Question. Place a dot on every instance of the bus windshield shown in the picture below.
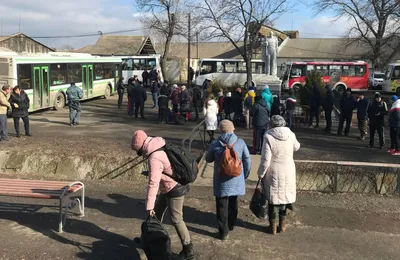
(298, 70)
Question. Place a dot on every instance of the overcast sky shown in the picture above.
(74, 17)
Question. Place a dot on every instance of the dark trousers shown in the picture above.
(394, 138)
(227, 211)
(258, 138)
(347, 118)
(362, 126)
(196, 111)
(314, 112)
(175, 109)
(163, 115)
(139, 106)
(372, 129)
(120, 97)
(25, 119)
(236, 118)
(131, 106)
(3, 127)
(275, 210)
(328, 118)
(289, 117)
(211, 134)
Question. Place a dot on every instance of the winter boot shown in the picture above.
(272, 226)
(282, 223)
(187, 253)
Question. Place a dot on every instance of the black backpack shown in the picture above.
(155, 240)
(184, 166)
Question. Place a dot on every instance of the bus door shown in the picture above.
(87, 81)
(41, 87)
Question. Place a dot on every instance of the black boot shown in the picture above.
(187, 253)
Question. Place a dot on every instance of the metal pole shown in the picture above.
(188, 66)
(197, 44)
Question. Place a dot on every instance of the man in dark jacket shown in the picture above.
(347, 105)
(153, 74)
(139, 98)
(394, 124)
(328, 107)
(145, 78)
(260, 116)
(290, 106)
(20, 103)
(184, 103)
(376, 114)
(120, 90)
(197, 100)
(276, 106)
(206, 87)
(315, 103)
(362, 115)
(163, 109)
(74, 94)
(237, 104)
(228, 106)
(131, 100)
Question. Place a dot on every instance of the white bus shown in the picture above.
(392, 79)
(229, 71)
(135, 65)
(46, 77)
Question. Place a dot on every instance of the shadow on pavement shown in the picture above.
(108, 245)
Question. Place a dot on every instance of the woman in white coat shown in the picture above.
(277, 171)
(210, 112)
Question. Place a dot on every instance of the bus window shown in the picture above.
(349, 70)
(360, 70)
(322, 69)
(334, 69)
(298, 71)
(127, 64)
(231, 66)
(74, 71)
(208, 67)
(242, 67)
(98, 71)
(150, 63)
(396, 73)
(58, 74)
(25, 76)
(108, 71)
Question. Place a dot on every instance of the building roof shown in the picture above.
(6, 37)
(85, 49)
(118, 45)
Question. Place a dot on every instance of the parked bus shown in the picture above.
(135, 65)
(229, 71)
(46, 77)
(392, 79)
(340, 75)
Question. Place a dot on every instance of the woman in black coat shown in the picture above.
(19, 101)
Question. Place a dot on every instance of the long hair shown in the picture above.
(210, 97)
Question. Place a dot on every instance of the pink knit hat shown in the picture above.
(138, 139)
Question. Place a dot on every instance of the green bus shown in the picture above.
(46, 77)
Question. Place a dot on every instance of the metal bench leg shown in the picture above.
(61, 220)
(82, 210)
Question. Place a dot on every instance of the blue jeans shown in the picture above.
(3, 127)
(155, 99)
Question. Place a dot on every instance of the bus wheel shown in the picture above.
(107, 93)
(341, 89)
(59, 102)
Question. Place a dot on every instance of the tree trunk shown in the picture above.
(163, 60)
(248, 72)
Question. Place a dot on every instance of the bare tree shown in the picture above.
(376, 26)
(164, 19)
(240, 21)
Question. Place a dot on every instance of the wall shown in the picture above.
(21, 43)
(177, 69)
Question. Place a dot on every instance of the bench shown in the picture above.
(58, 190)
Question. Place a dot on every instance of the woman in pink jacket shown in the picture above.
(172, 194)
(278, 171)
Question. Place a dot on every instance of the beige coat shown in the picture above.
(4, 104)
(277, 166)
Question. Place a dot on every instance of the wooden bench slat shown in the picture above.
(30, 195)
(19, 180)
(31, 185)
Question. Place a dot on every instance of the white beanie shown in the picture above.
(229, 94)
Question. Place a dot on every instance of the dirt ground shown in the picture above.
(105, 129)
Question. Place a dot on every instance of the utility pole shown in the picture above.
(197, 44)
(188, 67)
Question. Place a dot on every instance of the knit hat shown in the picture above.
(377, 95)
(239, 90)
(394, 98)
(252, 88)
(183, 87)
(226, 126)
(229, 94)
(174, 86)
(138, 139)
(277, 121)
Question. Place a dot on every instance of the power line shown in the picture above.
(83, 35)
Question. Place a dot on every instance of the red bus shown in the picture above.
(340, 75)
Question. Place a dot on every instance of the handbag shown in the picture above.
(259, 204)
